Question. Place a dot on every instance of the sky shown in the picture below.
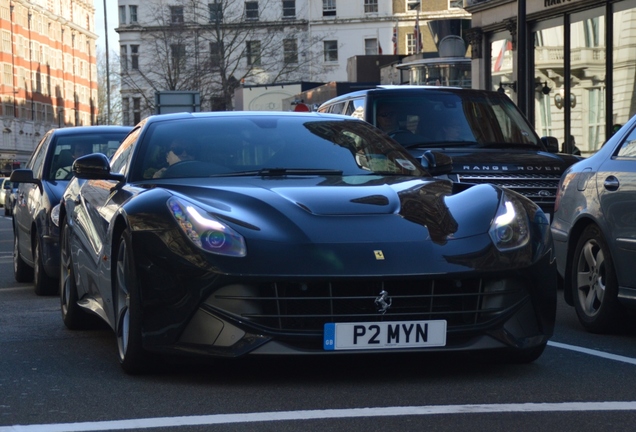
(111, 10)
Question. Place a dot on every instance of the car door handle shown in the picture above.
(611, 183)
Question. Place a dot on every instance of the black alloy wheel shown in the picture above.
(43, 283)
(21, 271)
(132, 357)
(74, 317)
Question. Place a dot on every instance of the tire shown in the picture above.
(74, 317)
(594, 284)
(44, 284)
(21, 271)
(132, 357)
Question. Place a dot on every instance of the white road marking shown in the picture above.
(592, 352)
(321, 414)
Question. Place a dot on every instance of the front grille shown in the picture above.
(540, 188)
(305, 307)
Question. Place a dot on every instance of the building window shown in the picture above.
(125, 110)
(216, 12)
(132, 11)
(370, 6)
(134, 57)
(176, 14)
(254, 53)
(289, 9)
(122, 15)
(123, 54)
(331, 51)
(251, 11)
(136, 110)
(371, 47)
(412, 5)
(410, 44)
(328, 7)
(178, 52)
(455, 4)
(216, 52)
(290, 48)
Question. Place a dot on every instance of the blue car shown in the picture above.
(36, 251)
(231, 234)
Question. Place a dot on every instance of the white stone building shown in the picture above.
(214, 46)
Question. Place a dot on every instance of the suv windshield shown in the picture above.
(452, 119)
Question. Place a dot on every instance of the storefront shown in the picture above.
(571, 68)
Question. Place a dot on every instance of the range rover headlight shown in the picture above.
(510, 228)
(205, 231)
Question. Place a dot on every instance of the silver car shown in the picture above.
(594, 231)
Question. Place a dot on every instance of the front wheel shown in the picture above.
(21, 271)
(594, 283)
(43, 283)
(74, 317)
(132, 357)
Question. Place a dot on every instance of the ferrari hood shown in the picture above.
(375, 202)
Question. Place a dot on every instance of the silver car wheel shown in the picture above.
(594, 283)
(123, 301)
(591, 277)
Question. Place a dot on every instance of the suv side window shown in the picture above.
(337, 108)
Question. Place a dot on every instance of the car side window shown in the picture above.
(628, 147)
(121, 158)
(36, 163)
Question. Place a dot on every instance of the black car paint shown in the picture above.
(302, 221)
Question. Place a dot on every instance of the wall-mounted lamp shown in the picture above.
(559, 98)
(510, 85)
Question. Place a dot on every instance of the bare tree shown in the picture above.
(214, 46)
(102, 93)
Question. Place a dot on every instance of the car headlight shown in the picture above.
(510, 227)
(205, 231)
(55, 215)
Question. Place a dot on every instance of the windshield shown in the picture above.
(271, 145)
(439, 118)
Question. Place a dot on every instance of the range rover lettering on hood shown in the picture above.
(515, 168)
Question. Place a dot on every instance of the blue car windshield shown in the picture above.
(268, 145)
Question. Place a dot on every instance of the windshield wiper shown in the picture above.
(443, 144)
(280, 172)
(508, 145)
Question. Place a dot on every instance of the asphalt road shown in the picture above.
(53, 379)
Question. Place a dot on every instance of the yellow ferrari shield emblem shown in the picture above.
(378, 255)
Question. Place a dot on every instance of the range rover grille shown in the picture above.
(540, 188)
(304, 307)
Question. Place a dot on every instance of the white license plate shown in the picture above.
(384, 335)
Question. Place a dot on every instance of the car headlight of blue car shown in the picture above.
(510, 226)
(205, 231)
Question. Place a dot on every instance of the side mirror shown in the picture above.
(551, 144)
(437, 163)
(24, 175)
(94, 167)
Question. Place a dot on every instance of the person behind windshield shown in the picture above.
(178, 151)
(452, 130)
(387, 118)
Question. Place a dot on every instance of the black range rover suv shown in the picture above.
(485, 134)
